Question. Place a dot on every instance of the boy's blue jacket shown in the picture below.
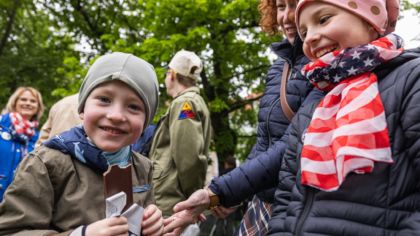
(11, 152)
(385, 202)
(261, 174)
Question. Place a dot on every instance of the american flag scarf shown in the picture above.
(23, 126)
(348, 131)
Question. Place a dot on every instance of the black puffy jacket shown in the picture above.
(385, 202)
(256, 175)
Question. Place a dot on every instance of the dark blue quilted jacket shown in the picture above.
(385, 202)
(260, 174)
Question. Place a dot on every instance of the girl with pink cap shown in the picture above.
(352, 164)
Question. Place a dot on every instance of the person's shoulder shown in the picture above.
(189, 96)
(51, 156)
(282, 48)
(4, 119)
(403, 65)
(189, 93)
(69, 100)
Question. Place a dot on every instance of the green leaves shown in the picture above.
(54, 41)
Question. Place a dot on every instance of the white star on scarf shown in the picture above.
(341, 64)
(368, 62)
(355, 55)
(327, 77)
(352, 71)
(337, 78)
(370, 46)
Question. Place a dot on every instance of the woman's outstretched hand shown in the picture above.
(187, 212)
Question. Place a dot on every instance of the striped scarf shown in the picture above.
(348, 131)
(23, 126)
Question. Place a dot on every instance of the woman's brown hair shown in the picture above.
(268, 12)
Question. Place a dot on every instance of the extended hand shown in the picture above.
(175, 224)
(197, 203)
(187, 212)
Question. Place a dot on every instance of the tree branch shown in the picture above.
(9, 25)
(260, 67)
(241, 103)
(96, 32)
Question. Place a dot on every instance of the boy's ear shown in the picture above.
(173, 75)
(81, 115)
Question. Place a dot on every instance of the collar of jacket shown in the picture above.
(74, 142)
(287, 51)
(193, 89)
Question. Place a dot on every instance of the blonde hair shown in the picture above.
(11, 104)
(268, 12)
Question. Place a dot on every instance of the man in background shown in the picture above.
(180, 146)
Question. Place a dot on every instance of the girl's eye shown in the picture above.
(324, 19)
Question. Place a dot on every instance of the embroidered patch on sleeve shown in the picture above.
(186, 112)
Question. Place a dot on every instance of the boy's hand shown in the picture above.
(152, 224)
(108, 227)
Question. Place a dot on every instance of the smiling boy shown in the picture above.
(59, 188)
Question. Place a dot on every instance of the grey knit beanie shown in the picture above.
(135, 72)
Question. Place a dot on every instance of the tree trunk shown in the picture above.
(9, 25)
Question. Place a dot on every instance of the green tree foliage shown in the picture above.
(224, 33)
(31, 52)
(49, 45)
(227, 37)
(409, 4)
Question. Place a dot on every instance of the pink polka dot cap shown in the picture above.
(381, 14)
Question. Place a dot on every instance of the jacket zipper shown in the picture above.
(310, 194)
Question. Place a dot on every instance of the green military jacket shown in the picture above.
(179, 150)
(53, 193)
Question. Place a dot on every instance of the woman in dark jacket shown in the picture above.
(373, 109)
(260, 171)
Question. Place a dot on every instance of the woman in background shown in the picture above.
(18, 131)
